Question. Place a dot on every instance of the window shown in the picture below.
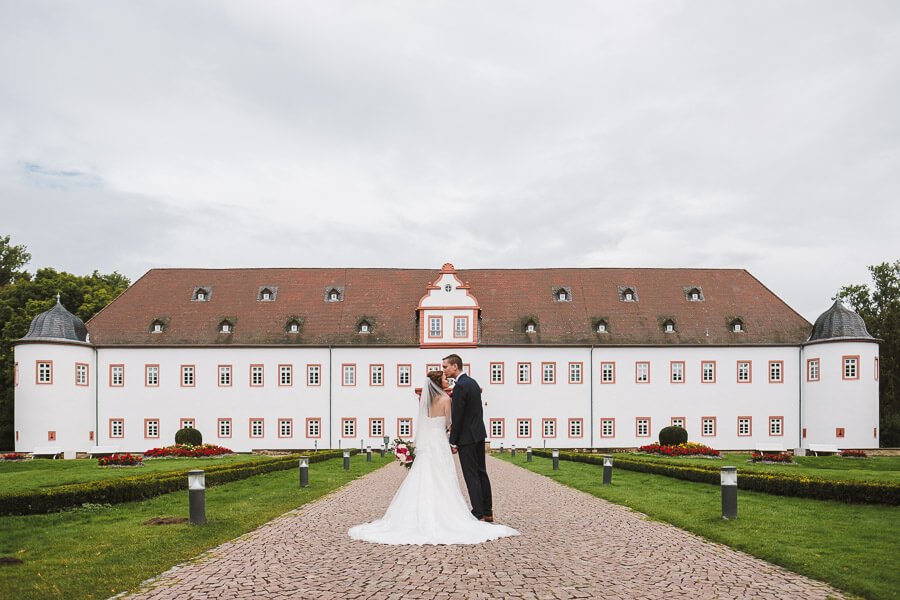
(745, 426)
(549, 427)
(839, 432)
(267, 294)
(607, 372)
(16, 375)
(576, 428)
(708, 426)
(776, 367)
(157, 326)
(563, 294)
(285, 428)
(435, 327)
(226, 327)
(151, 428)
(293, 326)
(524, 370)
(876, 368)
(737, 326)
(601, 327)
(186, 424)
(81, 374)
(151, 375)
(256, 376)
(364, 327)
(349, 375)
(677, 371)
(187, 375)
(117, 375)
(51, 436)
(678, 422)
(693, 294)
(575, 372)
(776, 425)
(285, 375)
(669, 326)
(523, 427)
(116, 428)
(642, 372)
(334, 295)
(496, 428)
(224, 428)
(496, 372)
(430, 368)
(313, 374)
(708, 370)
(376, 428)
(627, 294)
(851, 367)
(744, 371)
(404, 428)
(348, 428)
(812, 369)
(403, 375)
(461, 327)
(548, 372)
(642, 426)
(530, 327)
(224, 375)
(607, 428)
(376, 374)
(44, 372)
(257, 428)
(202, 294)
(313, 428)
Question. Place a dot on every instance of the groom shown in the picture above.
(467, 435)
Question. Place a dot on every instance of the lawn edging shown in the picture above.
(781, 484)
(139, 487)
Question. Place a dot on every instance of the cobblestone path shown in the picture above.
(572, 546)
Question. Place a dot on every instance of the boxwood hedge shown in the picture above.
(782, 484)
(139, 487)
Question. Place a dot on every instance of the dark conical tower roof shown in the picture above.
(57, 324)
(839, 322)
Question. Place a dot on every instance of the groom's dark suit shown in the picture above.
(467, 433)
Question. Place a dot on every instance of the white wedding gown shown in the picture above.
(429, 507)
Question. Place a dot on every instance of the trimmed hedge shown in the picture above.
(781, 484)
(128, 489)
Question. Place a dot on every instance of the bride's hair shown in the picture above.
(437, 378)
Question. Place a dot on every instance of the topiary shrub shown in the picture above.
(191, 436)
(672, 436)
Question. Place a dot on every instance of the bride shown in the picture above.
(429, 508)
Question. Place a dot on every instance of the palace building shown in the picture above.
(264, 359)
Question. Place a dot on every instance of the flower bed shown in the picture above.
(187, 451)
(854, 454)
(14, 456)
(688, 449)
(771, 457)
(120, 460)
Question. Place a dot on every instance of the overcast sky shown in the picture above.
(756, 135)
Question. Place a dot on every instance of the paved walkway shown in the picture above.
(572, 546)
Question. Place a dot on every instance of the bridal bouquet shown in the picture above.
(405, 452)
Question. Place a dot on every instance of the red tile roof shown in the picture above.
(387, 299)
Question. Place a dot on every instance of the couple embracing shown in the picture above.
(429, 507)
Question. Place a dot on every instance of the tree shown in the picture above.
(23, 297)
(880, 310)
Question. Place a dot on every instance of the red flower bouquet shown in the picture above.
(405, 452)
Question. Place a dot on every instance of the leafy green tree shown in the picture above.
(23, 297)
(880, 309)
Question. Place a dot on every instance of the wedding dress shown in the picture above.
(429, 507)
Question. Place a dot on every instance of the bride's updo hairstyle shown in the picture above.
(437, 378)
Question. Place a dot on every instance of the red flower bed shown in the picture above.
(775, 457)
(688, 449)
(854, 453)
(14, 456)
(188, 451)
(119, 460)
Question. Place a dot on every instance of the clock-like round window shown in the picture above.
(448, 288)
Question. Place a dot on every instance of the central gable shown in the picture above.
(448, 312)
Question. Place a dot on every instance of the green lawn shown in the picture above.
(43, 472)
(874, 468)
(98, 552)
(851, 546)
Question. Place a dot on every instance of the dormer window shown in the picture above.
(226, 327)
(601, 327)
(669, 326)
(562, 294)
(627, 294)
(693, 294)
(364, 327)
(157, 326)
(334, 294)
(267, 294)
(530, 327)
(293, 326)
(202, 294)
(737, 326)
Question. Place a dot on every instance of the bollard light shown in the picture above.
(197, 496)
(304, 471)
(501, 447)
(368, 453)
(513, 450)
(607, 469)
(315, 445)
(346, 460)
(382, 450)
(528, 455)
(556, 459)
(729, 492)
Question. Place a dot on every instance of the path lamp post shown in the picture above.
(607, 469)
(528, 455)
(368, 453)
(197, 496)
(556, 459)
(304, 471)
(382, 450)
(513, 450)
(346, 460)
(729, 492)
(501, 447)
